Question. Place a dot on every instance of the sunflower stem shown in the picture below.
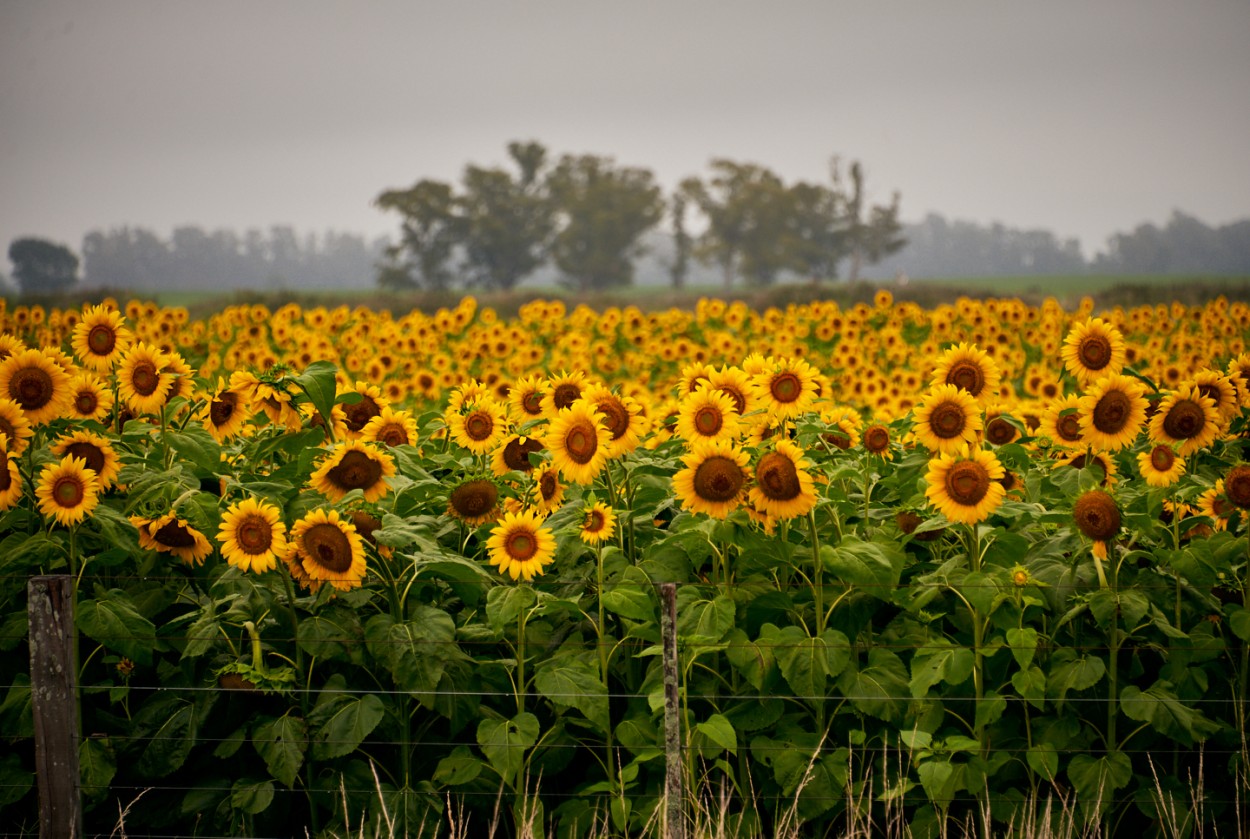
(520, 661)
(603, 661)
(978, 638)
(293, 616)
(818, 587)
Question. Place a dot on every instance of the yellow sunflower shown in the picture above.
(621, 415)
(965, 485)
(783, 488)
(95, 451)
(842, 427)
(1186, 419)
(67, 491)
(1061, 423)
(708, 415)
(36, 383)
(968, 369)
(598, 524)
(391, 428)
(1112, 412)
(1213, 503)
(354, 465)
(142, 380)
(1237, 486)
(1161, 466)
(946, 419)
(173, 535)
(525, 398)
(252, 535)
(1092, 350)
(10, 478)
(563, 391)
(514, 454)
(330, 548)
(520, 546)
(225, 413)
(474, 501)
(714, 480)
(14, 426)
(369, 405)
(737, 385)
(88, 399)
(876, 440)
(1098, 517)
(294, 561)
(547, 490)
(578, 442)
(787, 387)
(480, 428)
(1220, 390)
(998, 431)
(100, 338)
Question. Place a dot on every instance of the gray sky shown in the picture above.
(1081, 117)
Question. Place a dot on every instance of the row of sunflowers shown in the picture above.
(987, 554)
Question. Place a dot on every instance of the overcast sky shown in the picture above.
(1081, 117)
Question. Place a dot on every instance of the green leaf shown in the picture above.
(505, 603)
(15, 781)
(630, 596)
(1023, 643)
(504, 742)
(1239, 622)
(196, 446)
(944, 663)
(96, 765)
(875, 566)
(752, 661)
(701, 621)
(281, 743)
(1162, 708)
(114, 622)
(1031, 685)
(344, 724)
(1097, 779)
(574, 683)
(170, 740)
(939, 779)
(318, 381)
(251, 796)
(720, 731)
(990, 709)
(459, 767)
(879, 689)
(1081, 674)
(1043, 760)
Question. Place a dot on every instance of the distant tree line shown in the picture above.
(589, 217)
(1183, 246)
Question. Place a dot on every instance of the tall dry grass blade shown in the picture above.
(119, 830)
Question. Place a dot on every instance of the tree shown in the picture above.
(601, 211)
(679, 269)
(42, 267)
(868, 240)
(431, 230)
(817, 231)
(747, 209)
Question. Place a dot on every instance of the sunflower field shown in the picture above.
(978, 568)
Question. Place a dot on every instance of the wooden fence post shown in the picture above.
(54, 700)
(674, 766)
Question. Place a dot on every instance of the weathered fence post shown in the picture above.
(53, 691)
(674, 815)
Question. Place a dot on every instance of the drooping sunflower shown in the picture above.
(946, 419)
(225, 413)
(14, 426)
(173, 535)
(1237, 486)
(67, 491)
(787, 387)
(1098, 517)
(520, 546)
(564, 389)
(480, 429)
(714, 480)
(88, 399)
(252, 535)
(330, 548)
(1186, 419)
(474, 501)
(708, 415)
(142, 380)
(354, 465)
(36, 383)
(1112, 412)
(547, 490)
(10, 478)
(1092, 350)
(525, 398)
(782, 488)
(391, 428)
(294, 561)
(598, 524)
(1161, 466)
(100, 338)
(965, 485)
(95, 451)
(578, 442)
(969, 369)
(621, 415)
(514, 454)
(1061, 422)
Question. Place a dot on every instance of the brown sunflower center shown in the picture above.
(1162, 458)
(89, 452)
(778, 477)
(1097, 515)
(1068, 427)
(708, 420)
(355, 470)
(516, 454)
(474, 499)
(366, 524)
(1211, 392)
(1184, 420)
(393, 434)
(786, 387)
(1112, 411)
(998, 431)
(6, 479)
(1237, 486)
(254, 535)
(31, 387)
(68, 491)
(548, 485)
(221, 409)
(532, 403)
(1094, 352)
(7, 429)
(565, 394)
(86, 402)
(947, 420)
(876, 439)
(966, 376)
(615, 417)
(581, 442)
(740, 400)
(359, 414)
(174, 534)
(145, 378)
(101, 339)
(967, 482)
(478, 426)
(521, 545)
(718, 478)
(837, 439)
(595, 521)
(329, 546)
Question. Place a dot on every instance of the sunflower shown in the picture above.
(474, 501)
(100, 338)
(1061, 423)
(1161, 466)
(787, 387)
(354, 465)
(95, 451)
(252, 535)
(598, 524)
(514, 454)
(38, 385)
(714, 480)
(1092, 350)
(548, 491)
(226, 412)
(172, 535)
(142, 380)
(298, 568)
(564, 390)
(391, 428)
(877, 439)
(578, 442)
(520, 546)
(525, 398)
(369, 405)
(67, 491)
(968, 369)
(622, 416)
(10, 478)
(998, 430)
(330, 549)
(1215, 503)
(88, 399)
(14, 426)
(9, 343)
(708, 415)
(1098, 517)
(1186, 419)
(1237, 486)
(965, 485)
(480, 428)
(946, 419)
(737, 385)
(1112, 412)
(1222, 391)
(783, 489)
